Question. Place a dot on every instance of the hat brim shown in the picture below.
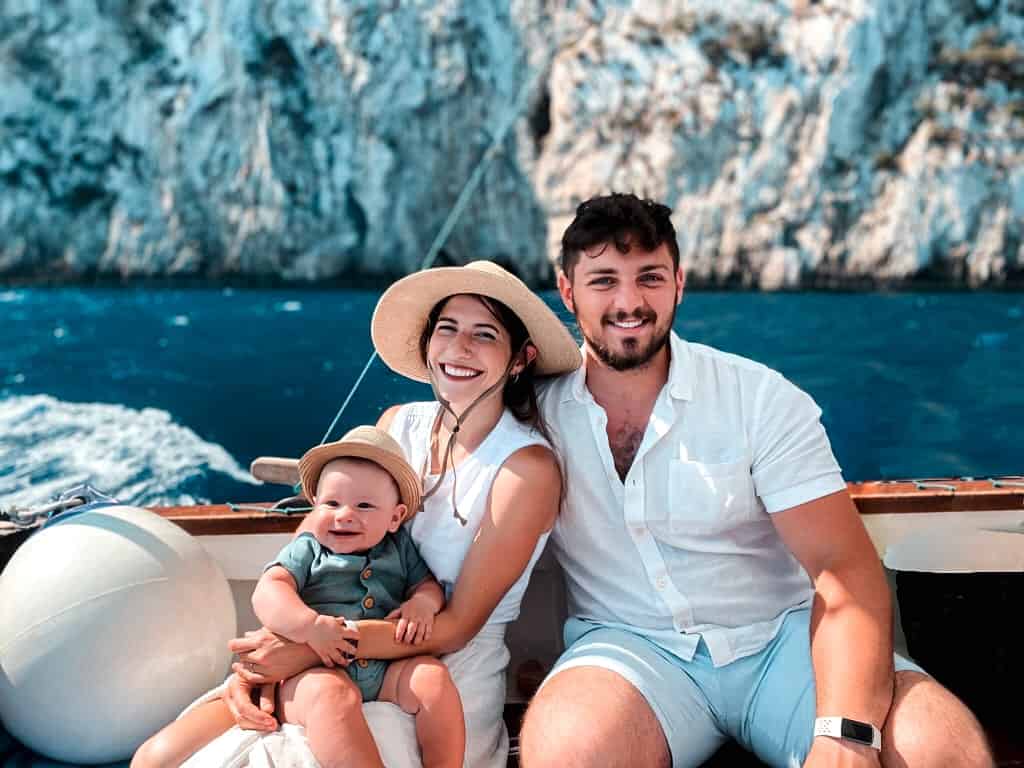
(402, 311)
(409, 484)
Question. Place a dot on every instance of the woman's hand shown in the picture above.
(239, 700)
(264, 657)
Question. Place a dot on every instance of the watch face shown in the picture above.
(857, 731)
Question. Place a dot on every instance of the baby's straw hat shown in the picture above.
(369, 443)
(403, 310)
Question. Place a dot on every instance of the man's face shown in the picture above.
(624, 303)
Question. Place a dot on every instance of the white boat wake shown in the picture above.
(137, 456)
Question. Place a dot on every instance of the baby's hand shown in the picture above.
(330, 639)
(415, 620)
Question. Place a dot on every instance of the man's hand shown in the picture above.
(415, 619)
(264, 657)
(841, 753)
(238, 697)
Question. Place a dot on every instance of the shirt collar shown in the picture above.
(680, 369)
(680, 373)
(578, 381)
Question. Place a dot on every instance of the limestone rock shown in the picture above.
(803, 143)
(799, 143)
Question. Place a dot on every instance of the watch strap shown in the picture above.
(851, 730)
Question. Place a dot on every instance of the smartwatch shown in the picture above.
(851, 730)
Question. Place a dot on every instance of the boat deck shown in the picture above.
(893, 512)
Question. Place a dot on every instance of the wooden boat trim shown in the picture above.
(872, 498)
(222, 520)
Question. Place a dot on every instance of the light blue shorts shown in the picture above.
(764, 701)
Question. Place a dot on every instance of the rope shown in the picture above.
(268, 510)
(27, 518)
(351, 392)
(453, 216)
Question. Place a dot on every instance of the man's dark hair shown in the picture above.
(623, 220)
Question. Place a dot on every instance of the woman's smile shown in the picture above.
(459, 371)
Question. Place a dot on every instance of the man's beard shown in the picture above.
(634, 355)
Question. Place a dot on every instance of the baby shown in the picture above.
(356, 561)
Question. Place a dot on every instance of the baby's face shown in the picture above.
(357, 503)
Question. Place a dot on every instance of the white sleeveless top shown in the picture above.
(442, 540)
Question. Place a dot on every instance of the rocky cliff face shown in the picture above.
(799, 142)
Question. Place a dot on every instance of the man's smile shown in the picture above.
(627, 325)
(632, 322)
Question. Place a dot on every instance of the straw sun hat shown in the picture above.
(403, 309)
(369, 443)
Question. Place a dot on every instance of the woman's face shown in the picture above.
(468, 350)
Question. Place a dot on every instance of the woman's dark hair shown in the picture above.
(623, 221)
(519, 395)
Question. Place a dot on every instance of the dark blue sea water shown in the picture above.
(167, 395)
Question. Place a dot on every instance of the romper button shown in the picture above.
(366, 574)
(362, 663)
(368, 602)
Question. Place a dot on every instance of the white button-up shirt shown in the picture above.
(685, 547)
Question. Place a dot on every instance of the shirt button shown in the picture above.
(366, 574)
(368, 602)
(639, 530)
(362, 663)
(661, 582)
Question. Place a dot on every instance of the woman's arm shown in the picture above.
(523, 505)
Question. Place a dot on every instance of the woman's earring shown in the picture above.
(515, 377)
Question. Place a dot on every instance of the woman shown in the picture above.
(492, 487)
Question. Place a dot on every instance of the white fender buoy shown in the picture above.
(111, 622)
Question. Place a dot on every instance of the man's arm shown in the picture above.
(851, 618)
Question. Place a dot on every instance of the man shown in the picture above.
(701, 494)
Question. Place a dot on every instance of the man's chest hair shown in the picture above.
(624, 438)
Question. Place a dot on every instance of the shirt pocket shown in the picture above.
(704, 498)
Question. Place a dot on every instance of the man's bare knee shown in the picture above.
(587, 717)
(928, 726)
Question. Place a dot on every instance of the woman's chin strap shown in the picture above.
(459, 420)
